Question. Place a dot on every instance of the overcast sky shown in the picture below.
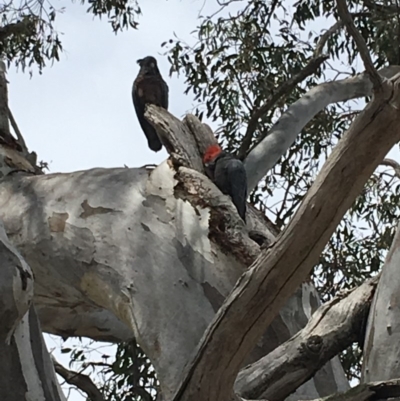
(79, 113)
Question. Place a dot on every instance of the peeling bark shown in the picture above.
(143, 265)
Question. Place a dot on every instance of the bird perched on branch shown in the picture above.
(149, 88)
(229, 175)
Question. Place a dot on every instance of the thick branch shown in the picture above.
(284, 89)
(275, 275)
(331, 329)
(83, 382)
(284, 133)
(345, 16)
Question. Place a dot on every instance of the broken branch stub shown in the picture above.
(176, 137)
(203, 134)
(278, 271)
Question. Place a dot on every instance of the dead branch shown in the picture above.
(83, 382)
(18, 133)
(331, 329)
(278, 271)
(345, 16)
(176, 138)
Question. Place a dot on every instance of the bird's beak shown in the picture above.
(139, 61)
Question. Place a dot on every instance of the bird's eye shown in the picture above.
(152, 65)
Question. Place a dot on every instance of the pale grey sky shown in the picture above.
(79, 113)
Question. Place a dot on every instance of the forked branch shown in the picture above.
(284, 89)
(345, 16)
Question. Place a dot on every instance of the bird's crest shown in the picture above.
(211, 153)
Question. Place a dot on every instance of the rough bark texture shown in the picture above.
(381, 351)
(331, 329)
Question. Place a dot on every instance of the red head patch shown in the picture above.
(211, 153)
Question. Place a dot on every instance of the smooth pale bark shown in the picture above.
(116, 245)
(381, 351)
(284, 133)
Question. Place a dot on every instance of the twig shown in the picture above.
(333, 29)
(17, 132)
(345, 16)
(285, 88)
(392, 163)
(83, 382)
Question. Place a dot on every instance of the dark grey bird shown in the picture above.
(149, 88)
(229, 175)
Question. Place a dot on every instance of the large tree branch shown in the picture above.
(345, 16)
(381, 353)
(279, 270)
(284, 133)
(331, 329)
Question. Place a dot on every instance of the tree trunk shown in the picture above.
(121, 254)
